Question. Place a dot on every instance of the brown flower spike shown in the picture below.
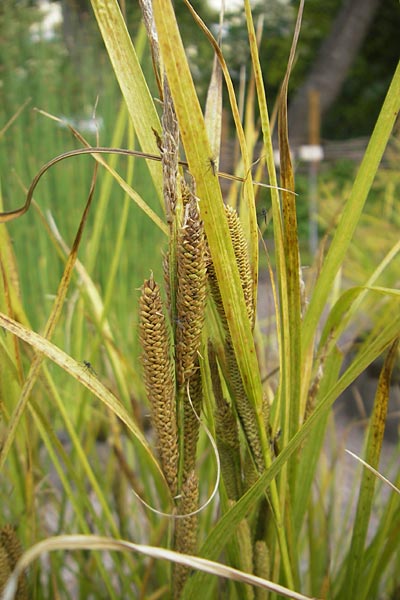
(244, 409)
(242, 258)
(10, 552)
(191, 292)
(186, 530)
(159, 379)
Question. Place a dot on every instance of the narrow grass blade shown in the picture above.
(14, 117)
(96, 153)
(248, 210)
(221, 533)
(344, 305)
(312, 451)
(76, 542)
(275, 200)
(131, 80)
(82, 374)
(352, 210)
(356, 556)
(290, 305)
(374, 471)
(49, 330)
(384, 546)
(213, 112)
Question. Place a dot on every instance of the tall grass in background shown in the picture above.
(74, 458)
(39, 74)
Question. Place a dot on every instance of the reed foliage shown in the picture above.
(144, 420)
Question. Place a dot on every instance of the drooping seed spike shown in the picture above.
(227, 434)
(191, 425)
(10, 553)
(186, 530)
(158, 371)
(262, 567)
(244, 408)
(242, 258)
(191, 292)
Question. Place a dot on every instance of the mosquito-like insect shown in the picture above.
(213, 165)
(88, 367)
(264, 214)
(275, 442)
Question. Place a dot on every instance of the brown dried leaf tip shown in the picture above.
(158, 378)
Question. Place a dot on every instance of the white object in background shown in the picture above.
(311, 153)
(46, 29)
(277, 157)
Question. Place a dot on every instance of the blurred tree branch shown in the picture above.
(332, 64)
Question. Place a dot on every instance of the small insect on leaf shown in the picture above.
(88, 367)
(264, 214)
(213, 165)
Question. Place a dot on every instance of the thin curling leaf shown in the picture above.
(18, 212)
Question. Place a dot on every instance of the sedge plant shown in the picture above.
(215, 417)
